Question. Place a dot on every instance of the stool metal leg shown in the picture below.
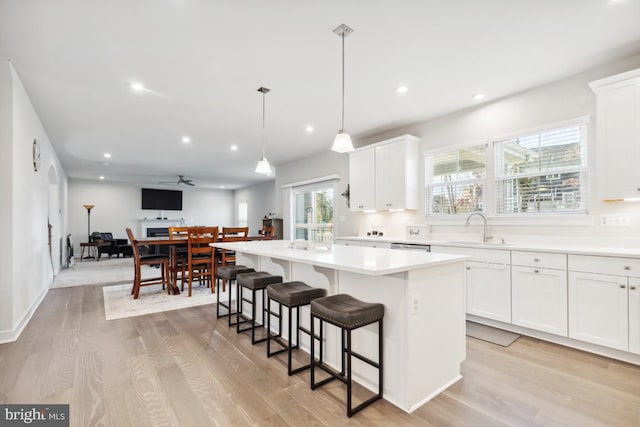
(349, 380)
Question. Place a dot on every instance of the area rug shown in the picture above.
(492, 335)
(119, 303)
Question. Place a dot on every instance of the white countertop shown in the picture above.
(356, 259)
(535, 247)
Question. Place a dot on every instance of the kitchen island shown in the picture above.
(423, 297)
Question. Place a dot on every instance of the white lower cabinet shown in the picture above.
(489, 290)
(634, 315)
(598, 309)
(539, 299)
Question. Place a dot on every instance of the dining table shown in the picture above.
(174, 244)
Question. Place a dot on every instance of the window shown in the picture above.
(456, 180)
(243, 209)
(312, 207)
(542, 172)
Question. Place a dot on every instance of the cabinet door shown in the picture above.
(539, 299)
(619, 140)
(489, 290)
(598, 309)
(347, 242)
(362, 180)
(634, 315)
(390, 185)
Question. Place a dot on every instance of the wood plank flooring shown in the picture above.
(185, 368)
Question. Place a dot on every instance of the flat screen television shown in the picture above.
(165, 200)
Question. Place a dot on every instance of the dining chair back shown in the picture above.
(267, 232)
(232, 234)
(178, 266)
(201, 260)
(152, 259)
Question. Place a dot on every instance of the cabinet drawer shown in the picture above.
(539, 259)
(496, 256)
(605, 265)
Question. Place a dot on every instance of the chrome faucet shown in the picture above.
(485, 237)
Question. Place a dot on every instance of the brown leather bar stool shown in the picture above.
(228, 273)
(347, 313)
(292, 295)
(255, 281)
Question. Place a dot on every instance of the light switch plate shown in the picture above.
(615, 220)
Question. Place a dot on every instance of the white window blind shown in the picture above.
(543, 172)
(456, 180)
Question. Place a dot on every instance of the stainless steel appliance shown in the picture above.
(411, 247)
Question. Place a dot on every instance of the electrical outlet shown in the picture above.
(415, 303)
(615, 220)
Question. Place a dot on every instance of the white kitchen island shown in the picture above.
(423, 297)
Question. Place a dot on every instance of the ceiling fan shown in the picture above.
(181, 180)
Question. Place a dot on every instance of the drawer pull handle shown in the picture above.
(536, 260)
(633, 288)
(623, 286)
(468, 268)
(536, 271)
(626, 267)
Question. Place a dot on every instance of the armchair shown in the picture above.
(111, 246)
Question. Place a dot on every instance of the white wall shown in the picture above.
(260, 200)
(27, 265)
(117, 206)
(555, 102)
(319, 165)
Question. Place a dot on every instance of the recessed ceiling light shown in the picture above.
(107, 155)
(402, 89)
(308, 129)
(222, 186)
(478, 96)
(186, 140)
(234, 147)
(138, 87)
(101, 177)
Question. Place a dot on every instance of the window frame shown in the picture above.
(429, 185)
(313, 187)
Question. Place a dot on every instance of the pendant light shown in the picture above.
(263, 165)
(342, 143)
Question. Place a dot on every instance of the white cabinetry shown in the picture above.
(397, 175)
(362, 179)
(488, 281)
(634, 315)
(618, 135)
(601, 301)
(346, 242)
(539, 291)
(369, 244)
(384, 175)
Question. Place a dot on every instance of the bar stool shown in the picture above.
(255, 281)
(291, 295)
(228, 273)
(347, 313)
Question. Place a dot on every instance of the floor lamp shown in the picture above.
(88, 208)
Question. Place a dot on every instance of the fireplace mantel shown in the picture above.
(159, 223)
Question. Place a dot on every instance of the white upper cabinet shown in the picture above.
(618, 135)
(384, 176)
(362, 180)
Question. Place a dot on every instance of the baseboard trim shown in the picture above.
(11, 335)
(624, 356)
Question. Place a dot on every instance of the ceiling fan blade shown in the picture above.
(188, 182)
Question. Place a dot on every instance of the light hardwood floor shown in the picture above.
(185, 368)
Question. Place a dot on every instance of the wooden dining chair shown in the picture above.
(152, 259)
(225, 256)
(201, 260)
(267, 233)
(178, 266)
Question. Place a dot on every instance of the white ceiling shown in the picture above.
(205, 60)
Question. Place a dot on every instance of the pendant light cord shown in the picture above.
(263, 120)
(342, 82)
